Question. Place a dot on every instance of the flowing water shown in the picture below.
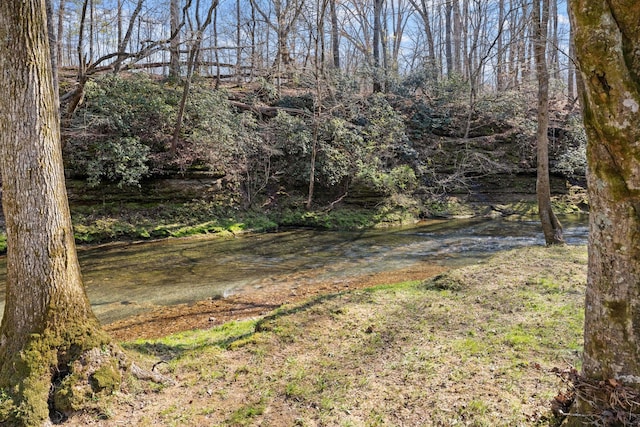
(123, 280)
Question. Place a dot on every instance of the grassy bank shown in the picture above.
(99, 223)
(472, 347)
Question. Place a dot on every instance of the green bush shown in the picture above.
(123, 161)
(573, 161)
(122, 123)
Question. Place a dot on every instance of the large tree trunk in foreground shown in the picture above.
(48, 323)
(550, 225)
(607, 37)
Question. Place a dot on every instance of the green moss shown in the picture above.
(107, 378)
(65, 396)
(43, 372)
(27, 384)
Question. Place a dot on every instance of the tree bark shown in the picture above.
(457, 38)
(571, 70)
(500, 51)
(550, 224)
(448, 40)
(48, 322)
(335, 32)
(174, 45)
(60, 32)
(606, 41)
(377, 30)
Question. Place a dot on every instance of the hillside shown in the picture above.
(244, 155)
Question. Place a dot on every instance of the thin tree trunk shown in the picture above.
(119, 18)
(550, 225)
(192, 66)
(513, 47)
(448, 39)
(500, 50)
(60, 33)
(174, 44)
(554, 60)
(377, 24)
(92, 13)
(335, 31)
(253, 41)
(127, 37)
(423, 11)
(457, 38)
(238, 41)
(215, 43)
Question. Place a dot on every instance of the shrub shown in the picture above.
(123, 161)
(573, 162)
(122, 122)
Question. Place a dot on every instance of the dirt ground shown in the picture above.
(205, 314)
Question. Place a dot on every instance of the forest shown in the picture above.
(319, 212)
(329, 114)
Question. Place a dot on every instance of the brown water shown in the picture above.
(123, 280)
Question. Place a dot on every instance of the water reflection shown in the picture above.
(125, 280)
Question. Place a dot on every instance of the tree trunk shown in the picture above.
(500, 51)
(423, 10)
(606, 41)
(119, 23)
(550, 225)
(447, 40)
(192, 66)
(48, 322)
(571, 70)
(554, 45)
(174, 45)
(335, 40)
(52, 48)
(127, 37)
(92, 14)
(60, 31)
(377, 30)
(457, 37)
(239, 77)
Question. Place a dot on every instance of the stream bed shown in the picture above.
(124, 280)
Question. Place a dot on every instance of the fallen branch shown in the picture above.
(335, 202)
(268, 111)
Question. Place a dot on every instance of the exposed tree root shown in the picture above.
(597, 403)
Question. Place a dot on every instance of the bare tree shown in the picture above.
(423, 10)
(192, 64)
(286, 15)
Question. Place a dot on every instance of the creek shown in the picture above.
(126, 279)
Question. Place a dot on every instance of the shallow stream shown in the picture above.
(123, 280)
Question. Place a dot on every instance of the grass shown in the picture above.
(473, 347)
(139, 221)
